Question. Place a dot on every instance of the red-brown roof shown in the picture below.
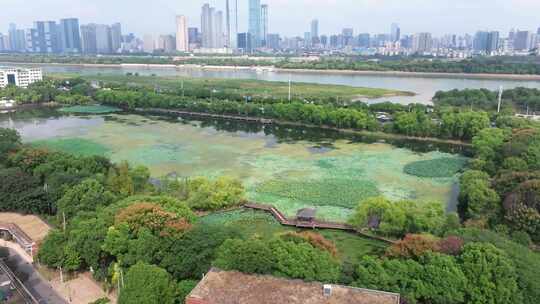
(229, 287)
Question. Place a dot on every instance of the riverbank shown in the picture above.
(266, 69)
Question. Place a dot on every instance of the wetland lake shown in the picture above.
(290, 168)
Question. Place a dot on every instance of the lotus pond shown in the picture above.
(289, 168)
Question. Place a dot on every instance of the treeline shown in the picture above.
(519, 99)
(497, 65)
(451, 124)
(469, 66)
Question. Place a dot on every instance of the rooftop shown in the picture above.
(230, 287)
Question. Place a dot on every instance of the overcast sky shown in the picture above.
(290, 17)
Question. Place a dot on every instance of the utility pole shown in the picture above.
(64, 220)
(290, 87)
(500, 99)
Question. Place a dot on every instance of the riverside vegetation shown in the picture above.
(480, 65)
(122, 226)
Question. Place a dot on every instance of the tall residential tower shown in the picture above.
(254, 28)
(182, 38)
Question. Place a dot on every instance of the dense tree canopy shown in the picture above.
(147, 284)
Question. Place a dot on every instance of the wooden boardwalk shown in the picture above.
(317, 224)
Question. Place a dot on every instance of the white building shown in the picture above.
(19, 76)
(182, 41)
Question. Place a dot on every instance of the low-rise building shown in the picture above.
(20, 77)
(231, 287)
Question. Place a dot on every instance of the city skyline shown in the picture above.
(366, 16)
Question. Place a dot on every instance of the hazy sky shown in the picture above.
(290, 17)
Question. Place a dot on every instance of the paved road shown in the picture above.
(38, 286)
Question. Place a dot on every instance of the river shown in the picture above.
(424, 87)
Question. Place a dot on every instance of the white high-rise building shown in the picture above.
(207, 26)
(182, 37)
(232, 24)
(264, 23)
(19, 77)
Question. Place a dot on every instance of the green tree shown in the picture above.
(86, 196)
(22, 192)
(9, 141)
(249, 256)
(147, 284)
(491, 275)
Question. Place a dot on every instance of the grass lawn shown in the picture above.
(252, 223)
(244, 87)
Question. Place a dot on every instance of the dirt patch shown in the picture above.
(32, 225)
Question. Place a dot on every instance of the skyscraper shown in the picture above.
(395, 32)
(182, 37)
(219, 37)
(486, 42)
(44, 37)
(103, 39)
(148, 43)
(264, 24)
(244, 42)
(70, 36)
(348, 36)
(88, 39)
(231, 26)
(207, 26)
(17, 39)
(422, 42)
(255, 22)
(116, 37)
(523, 41)
(315, 29)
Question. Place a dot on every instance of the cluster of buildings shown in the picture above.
(66, 37)
(217, 32)
(487, 43)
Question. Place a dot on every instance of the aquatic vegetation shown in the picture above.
(91, 109)
(439, 167)
(76, 146)
(333, 192)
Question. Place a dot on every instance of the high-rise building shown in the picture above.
(395, 32)
(17, 39)
(486, 42)
(103, 39)
(272, 41)
(148, 43)
(219, 37)
(4, 43)
(116, 37)
(523, 41)
(231, 25)
(70, 35)
(264, 24)
(348, 36)
(315, 31)
(182, 35)
(167, 43)
(255, 23)
(88, 39)
(538, 31)
(244, 42)
(364, 40)
(307, 39)
(207, 26)
(422, 42)
(44, 38)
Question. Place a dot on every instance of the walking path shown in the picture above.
(315, 224)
